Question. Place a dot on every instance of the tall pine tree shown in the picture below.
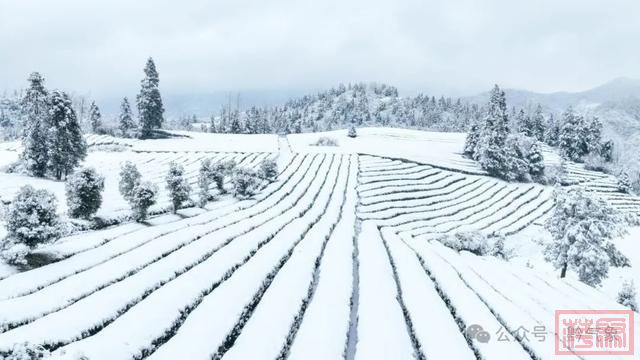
(537, 124)
(95, 118)
(573, 139)
(492, 152)
(35, 107)
(125, 118)
(65, 142)
(149, 101)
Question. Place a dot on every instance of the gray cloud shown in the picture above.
(462, 46)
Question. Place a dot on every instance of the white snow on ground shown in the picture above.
(276, 275)
(432, 148)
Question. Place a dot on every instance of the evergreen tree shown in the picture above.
(149, 101)
(517, 166)
(594, 135)
(32, 217)
(523, 122)
(606, 151)
(130, 177)
(205, 177)
(583, 228)
(245, 183)
(471, 142)
(95, 118)
(627, 296)
(126, 122)
(269, 170)
(35, 107)
(352, 132)
(65, 141)
(573, 140)
(537, 124)
(84, 193)
(536, 161)
(177, 185)
(235, 127)
(143, 196)
(552, 133)
(492, 152)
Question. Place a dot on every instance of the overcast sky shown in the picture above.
(445, 46)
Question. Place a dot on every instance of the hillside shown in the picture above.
(340, 248)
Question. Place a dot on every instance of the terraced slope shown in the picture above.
(417, 296)
(333, 260)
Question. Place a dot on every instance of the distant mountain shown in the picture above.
(613, 91)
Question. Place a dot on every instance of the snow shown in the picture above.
(274, 275)
(382, 331)
(156, 313)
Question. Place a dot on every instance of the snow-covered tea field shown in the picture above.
(335, 259)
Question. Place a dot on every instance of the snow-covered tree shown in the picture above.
(32, 217)
(593, 135)
(269, 170)
(95, 118)
(84, 192)
(352, 132)
(177, 185)
(130, 177)
(35, 107)
(218, 173)
(574, 137)
(235, 127)
(582, 228)
(627, 296)
(471, 142)
(537, 124)
(205, 177)
(606, 150)
(212, 124)
(143, 196)
(125, 119)
(245, 183)
(516, 167)
(67, 147)
(552, 132)
(523, 121)
(491, 151)
(535, 161)
(624, 182)
(149, 101)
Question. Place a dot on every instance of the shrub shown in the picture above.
(32, 217)
(129, 178)
(218, 172)
(624, 183)
(84, 193)
(27, 351)
(178, 187)
(627, 296)
(555, 174)
(228, 166)
(245, 183)
(325, 141)
(476, 243)
(143, 196)
(596, 162)
(15, 254)
(269, 170)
